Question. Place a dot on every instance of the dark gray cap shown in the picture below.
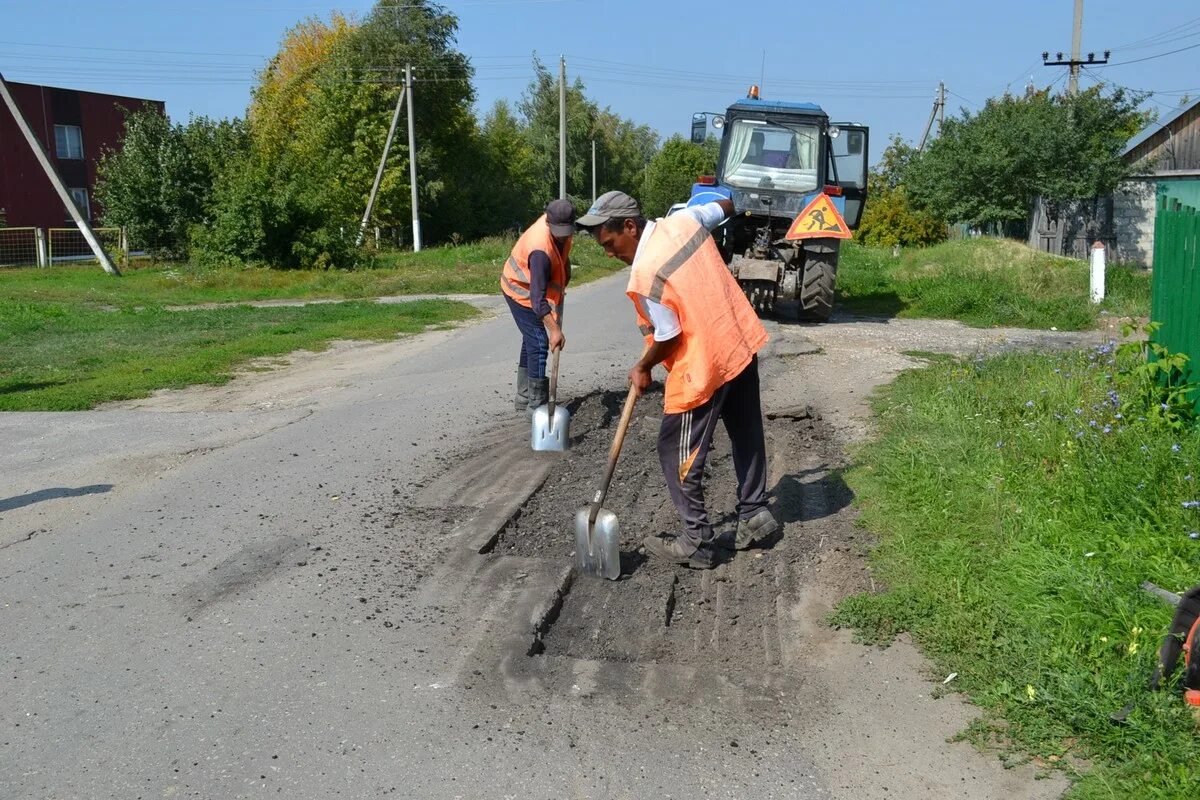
(610, 205)
(560, 216)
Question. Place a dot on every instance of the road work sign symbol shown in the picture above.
(819, 220)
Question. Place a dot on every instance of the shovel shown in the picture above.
(597, 534)
(551, 423)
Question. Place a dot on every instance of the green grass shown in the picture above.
(1013, 534)
(984, 283)
(472, 269)
(58, 357)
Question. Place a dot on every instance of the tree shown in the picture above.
(673, 170)
(890, 218)
(160, 182)
(508, 185)
(988, 168)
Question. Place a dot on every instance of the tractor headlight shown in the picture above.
(834, 131)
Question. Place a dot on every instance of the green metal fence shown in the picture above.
(1175, 298)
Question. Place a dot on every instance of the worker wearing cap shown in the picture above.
(698, 324)
(534, 281)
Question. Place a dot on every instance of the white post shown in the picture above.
(57, 182)
(593, 172)
(39, 235)
(412, 160)
(1098, 272)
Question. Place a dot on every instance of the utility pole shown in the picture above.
(59, 187)
(1076, 60)
(562, 127)
(387, 146)
(939, 103)
(412, 159)
(593, 171)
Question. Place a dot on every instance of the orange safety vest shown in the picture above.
(681, 268)
(514, 281)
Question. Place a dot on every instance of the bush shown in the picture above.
(890, 220)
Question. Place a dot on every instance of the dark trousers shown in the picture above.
(684, 441)
(535, 342)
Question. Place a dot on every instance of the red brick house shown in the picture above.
(75, 127)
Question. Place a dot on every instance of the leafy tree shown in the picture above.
(890, 218)
(673, 170)
(622, 148)
(159, 183)
(987, 168)
(508, 188)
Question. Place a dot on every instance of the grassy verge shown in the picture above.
(473, 268)
(984, 283)
(1019, 503)
(57, 357)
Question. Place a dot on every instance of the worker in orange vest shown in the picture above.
(698, 324)
(534, 282)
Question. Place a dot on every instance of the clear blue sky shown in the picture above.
(873, 61)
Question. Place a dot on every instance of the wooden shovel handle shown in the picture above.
(553, 384)
(614, 452)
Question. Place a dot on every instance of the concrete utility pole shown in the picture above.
(593, 171)
(387, 146)
(562, 127)
(412, 159)
(59, 187)
(1076, 35)
(939, 103)
(1076, 60)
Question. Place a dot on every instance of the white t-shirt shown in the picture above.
(665, 322)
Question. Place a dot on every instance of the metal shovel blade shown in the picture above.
(596, 545)
(551, 432)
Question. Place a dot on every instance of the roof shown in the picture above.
(1155, 127)
(749, 104)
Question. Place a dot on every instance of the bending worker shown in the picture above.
(534, 280)
(699, 325)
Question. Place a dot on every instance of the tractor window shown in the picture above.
(770, 155)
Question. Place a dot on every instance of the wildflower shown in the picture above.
(999, 444)
(1145, 449)
(1194, 535)
(1191, 503)
(1187, 477)
(1136, 631)
(1141, 486)
(1133, 648)
(1030, 692)
(1078, 411)
(1118, 416)
(1093, 424)
(1175, 448)
(1029, 404)
(1079, 434)
(1107, 429)
(1104, 638)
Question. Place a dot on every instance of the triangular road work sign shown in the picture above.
(819, 220)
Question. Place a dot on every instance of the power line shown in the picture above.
(1158, 55)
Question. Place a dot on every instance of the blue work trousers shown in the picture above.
(535, 342)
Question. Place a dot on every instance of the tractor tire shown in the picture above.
(817, 286)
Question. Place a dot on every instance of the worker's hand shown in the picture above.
(640, 377)
(557, 340)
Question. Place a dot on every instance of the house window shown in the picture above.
(68, 141)
(80, 196)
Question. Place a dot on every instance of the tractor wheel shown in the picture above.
(816, 289)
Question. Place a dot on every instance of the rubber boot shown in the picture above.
(522, 389)
(539, 393)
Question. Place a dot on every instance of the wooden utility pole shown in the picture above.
(387, 146)
(412, 159)
(48, 167)
(562, 127)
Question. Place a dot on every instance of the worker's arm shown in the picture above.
(539, 277)
(639, 376)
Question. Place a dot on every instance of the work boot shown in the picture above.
(677, 551)
(539, 393)
(522, 389)
(749, 531)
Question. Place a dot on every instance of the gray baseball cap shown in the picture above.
(560, 216)
(610, 205)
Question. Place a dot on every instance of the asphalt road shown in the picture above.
(236, 592)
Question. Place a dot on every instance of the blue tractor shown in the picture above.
(798, 184)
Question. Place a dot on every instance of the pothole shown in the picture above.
(726, 619)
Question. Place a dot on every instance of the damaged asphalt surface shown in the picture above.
(350, 578)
